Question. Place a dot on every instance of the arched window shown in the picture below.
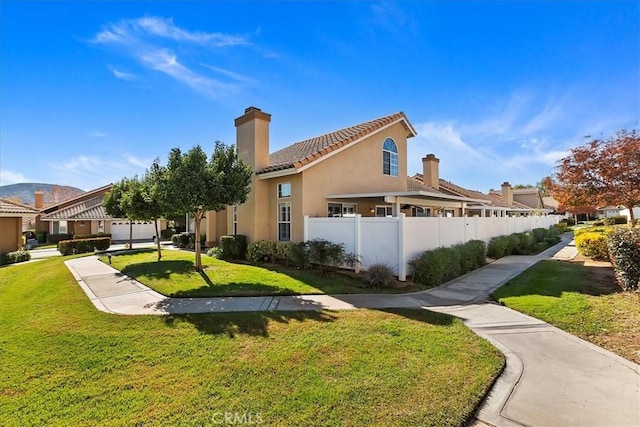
(390, 157)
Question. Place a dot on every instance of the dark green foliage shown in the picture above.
(233, 247)
(624, 249)
(379, 276)
(318, 251)
(324, 253)
(41, 236)
(14, 257)
(473, 254)
(523, 243)
(69, 247)
(560, 227)
(299, 255)
(180, 240)
(167, 233)
(613, 220)
(55, 238)
(215, 252)
(261, 251)
(438, 266)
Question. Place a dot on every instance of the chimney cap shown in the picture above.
(430, 157)
(506, 184)
(251, 108)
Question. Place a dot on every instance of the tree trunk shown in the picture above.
(130, 233)
(158, 240)
(632, 218)
(197, 217)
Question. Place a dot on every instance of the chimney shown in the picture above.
(252, 137)
(39, 199)
(507, 193)
(431, 171)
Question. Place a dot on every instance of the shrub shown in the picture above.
(498, 247)
(569, 221)
(299, 255)
(618, 219)
(215, 252)
(181, 240)
(68, 247)
(233, 247)
(167, 233)
(55, 238)
(473, 254)
(41, 236)
(14, 257)
(435, 267)
(324, 253)
(260, 251)
(593, 245)
(379, 275)
(89, 236)
(598, 223)
(561, 227)
(624, 248)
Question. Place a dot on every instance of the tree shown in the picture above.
(155, 204)
(600, 173)
(195, 184)
(117, 202)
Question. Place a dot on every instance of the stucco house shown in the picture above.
(85, 214)
(361, 169)
(12, 217)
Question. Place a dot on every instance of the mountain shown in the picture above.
(52, 192)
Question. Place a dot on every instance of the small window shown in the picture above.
(419, 211)
(384, 211)
(284, 190)
(336, 210)
(284, 221)
(62, 227)
(448, 213)
(389, 158)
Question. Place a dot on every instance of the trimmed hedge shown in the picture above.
(612, 220)
(624, 248)
(41, 236)
(523, 243)
(167, 233)
(187, 240)
(593, 245)
(435, 267)
(233, 247)
(55, 238)
(90, 236)
(14, 257)
(81, 246)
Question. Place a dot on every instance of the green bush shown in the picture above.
(167, 233)
(215, 252)
(261, 251)
(379, 276)
(569, 221)
(561, 227)
(181, 240)
(55, 238)
(598, 229)
(432, 268)
(90, 236)
(473, 255)
(498, 247)
(14, 257)
(613, 220)
(324, 253)
(41, 236)
(233, 247)
(624, 248)
(69, 247)
(299, 255)
(593, 245)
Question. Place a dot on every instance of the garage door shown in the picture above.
(142, 230)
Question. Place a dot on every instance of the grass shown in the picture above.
(580, 299)
(175, 275)
(62, 362)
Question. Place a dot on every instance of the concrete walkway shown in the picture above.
(551, 379)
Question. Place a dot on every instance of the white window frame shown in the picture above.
(343, 209)
(234, 219)
(388, 211)
(286, 221)
(425, 212)
(281, 194)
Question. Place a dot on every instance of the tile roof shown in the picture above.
(415, 185)
(454, 189)
(497, 200)
(84, 210)
(87, 195)
(304, 152)
(10, 207)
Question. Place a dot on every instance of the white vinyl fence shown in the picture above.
(397, 240)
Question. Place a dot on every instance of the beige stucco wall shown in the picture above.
(531, 200)
(10, 234)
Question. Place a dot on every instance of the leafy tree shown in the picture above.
(196, 184)
(117, 202)
(601, 172)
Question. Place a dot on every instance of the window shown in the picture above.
(384, 211)
(284, 190)
(418, 211)
(389, 158)
(60, 227)
(336, 210)
(235, 219)
(284, 221)
(448, 213)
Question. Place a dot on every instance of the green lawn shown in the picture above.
(175, 275)
(582, 300)
(62, 362)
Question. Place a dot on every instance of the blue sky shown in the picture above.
(91, 92)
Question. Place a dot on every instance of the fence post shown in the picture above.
(357, 243)
(402, 264)
(305, 232)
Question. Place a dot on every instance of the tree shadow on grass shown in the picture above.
(158, 269)
(246, 323)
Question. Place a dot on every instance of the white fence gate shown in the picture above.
(397, 240)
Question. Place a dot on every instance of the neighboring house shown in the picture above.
(12, 217)
(529, 196)
(609, 211)
(361, 169)
(85, 214)
(636, 213)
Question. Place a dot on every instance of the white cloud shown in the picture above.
(9, 177)
(97, 134)
(92, 171)
(121, 74)
(154, 41)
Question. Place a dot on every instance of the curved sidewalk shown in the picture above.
(551, 378)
